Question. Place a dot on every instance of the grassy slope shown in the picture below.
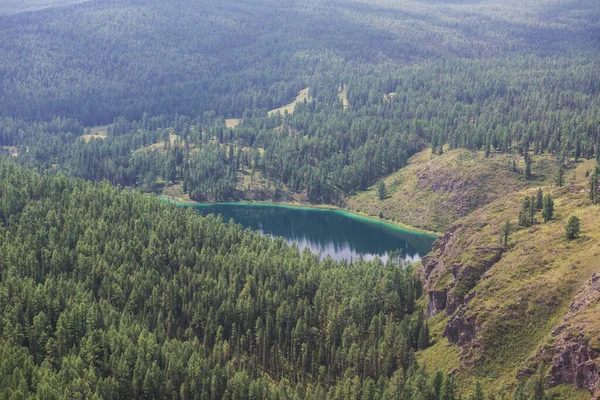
(96, 132)
(302, 96)
(434, 191)
(526, 294)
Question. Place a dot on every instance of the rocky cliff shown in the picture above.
(537, 300)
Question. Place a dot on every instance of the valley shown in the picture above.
(362, 199)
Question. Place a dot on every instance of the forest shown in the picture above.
(108, 293)
(376, 96)
(111, 294)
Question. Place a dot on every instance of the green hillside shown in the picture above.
(433, 191)
(513, 307)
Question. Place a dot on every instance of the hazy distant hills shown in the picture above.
(17, 6)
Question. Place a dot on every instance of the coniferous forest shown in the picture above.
(114, 295)
(108, 293)
(376, 96)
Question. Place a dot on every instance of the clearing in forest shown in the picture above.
(96, 132)
(232, 122)
(343, 96)
(160, 146)
(12, 151)
(302, 95)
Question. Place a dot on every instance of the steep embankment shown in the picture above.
(498, 312)
(434, 191)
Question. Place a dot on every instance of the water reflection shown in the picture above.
(329, 232)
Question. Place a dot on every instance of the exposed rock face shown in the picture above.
(460, 330)
(432, 261)
(575, 364)
(444, 261)
(458, 262)
(437, 302)
(432, 266)
(573, 359)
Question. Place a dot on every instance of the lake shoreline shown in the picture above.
(299, 206)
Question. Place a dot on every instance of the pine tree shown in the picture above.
(532, 210)
(536, 384)
(594, 186)
(448, 391)
(520, 392)
(560, 176)
(424, 337)
(548, 211)
(526, 215)
(573, 228)
(381, 190)
(478, 394)
(506, 232)
(539, 203)
(527, 166)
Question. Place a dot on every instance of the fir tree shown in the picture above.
(536, 384)
(539, 201)
(532, 210)
(448, 391)
(594, 187)
(424, 337)
(527, 166)
(560, 176)
(478, 394)
(506, 232)
(548, 211)
(573, 228)
(525, 215)
(381, 190)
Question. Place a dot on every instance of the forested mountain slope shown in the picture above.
(17, 6)
(443, 114)
(109, 294)
(385, 80)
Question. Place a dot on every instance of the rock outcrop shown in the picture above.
(433, 268)
(434, 260)
(575, 363)
(447, 279)
(460, 329)
(572, 357)
(437, 302)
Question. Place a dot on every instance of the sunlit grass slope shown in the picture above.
(433, 191)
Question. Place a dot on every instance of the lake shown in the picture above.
(336, 233)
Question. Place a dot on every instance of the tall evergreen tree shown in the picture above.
(448, 390)
(536, 384)
(478, 394)
(424, 337)
(539, 202)
(548, 211)
(594, 181)
(381, 190)
(506, 229)
(573, 228)
(560, 175)
(527, 159)
(526, 214)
